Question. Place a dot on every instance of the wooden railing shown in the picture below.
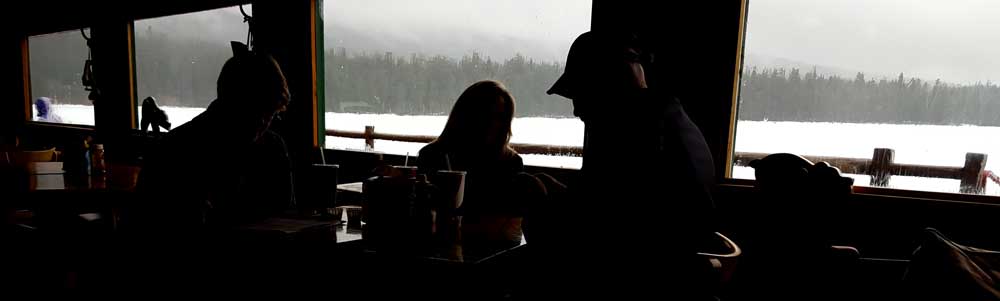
(972, 176)
(881, 167)
(370, 136)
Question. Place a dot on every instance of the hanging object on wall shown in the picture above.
(250, 24)
(89, 81)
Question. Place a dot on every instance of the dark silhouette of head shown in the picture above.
(252, 90)
(481, 120)
(793, 175)
(152, 115)
(601, 66)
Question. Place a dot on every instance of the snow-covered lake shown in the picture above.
(915, 144)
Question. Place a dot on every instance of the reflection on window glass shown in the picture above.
(178, 58)
(842, 78)
(56, 67)
(400, 65)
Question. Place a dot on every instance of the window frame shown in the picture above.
(133, 66)
(29, 102)
(730, 108)
(373, 136)
(726, 178)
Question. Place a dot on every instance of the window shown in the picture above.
(56, 64)
(178, 58)
(843, 78)
(400, 65)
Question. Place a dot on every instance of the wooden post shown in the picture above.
(971, 173)
(370, 137)
(880, 167)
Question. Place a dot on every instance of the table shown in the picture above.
(352, 238)
(456, 253)
(42, 195)
(49, 176)
(301, 228)
(450, 272)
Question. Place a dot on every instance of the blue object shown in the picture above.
(43, 107)
(86, 162)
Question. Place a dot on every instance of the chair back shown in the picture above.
(942, 269)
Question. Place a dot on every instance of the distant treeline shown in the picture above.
(421, 85)
(790, 95)
(183, 73)
(178, 72)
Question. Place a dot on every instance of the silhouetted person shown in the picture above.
(476, 139)
(43, 109)
(153, 115)
(224, 167)
(646, 167)
(787, 233)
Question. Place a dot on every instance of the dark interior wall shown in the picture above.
(12, 109)
(114, 110)
(881, 226)
(286, 30)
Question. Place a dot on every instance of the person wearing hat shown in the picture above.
(645, 163)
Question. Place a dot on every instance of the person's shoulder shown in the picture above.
(515, 157)
(271, 138)
(188, 137)
(514, 160)
(431, 149)
(430, 157)
(181, 133)
(659, 97)
(202, 125)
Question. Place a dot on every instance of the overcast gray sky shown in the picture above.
(549, 25)
(539, 29)
(955, 40)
